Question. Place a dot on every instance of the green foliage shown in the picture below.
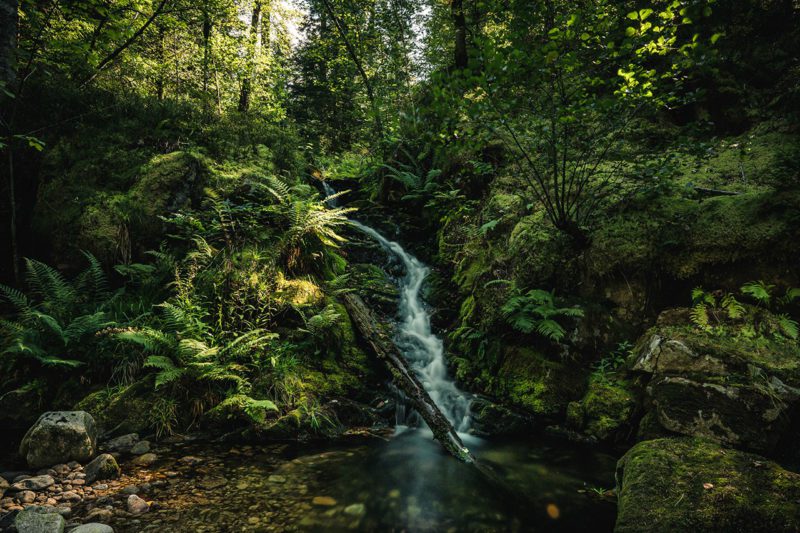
(536, 311)
(55, 326)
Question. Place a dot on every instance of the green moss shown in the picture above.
(608, 406)
(684, 484)
(124, 409)
(530, 381)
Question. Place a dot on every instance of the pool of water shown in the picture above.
(403, 484)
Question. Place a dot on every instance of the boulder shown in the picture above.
(136, 505)
(58, 437)
(691, 484)
(102, 467)
(727, 387)
(36, 520)
(489, 418)
(122, 444)
(140, 447)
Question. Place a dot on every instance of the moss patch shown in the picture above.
(684, 484)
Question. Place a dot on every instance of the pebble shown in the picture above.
(101, 486)
(356, 509)
(99, 515)
(27, 496)
(136, 505)
(324, 501)
(130, 489)
(140, 447)
(275, 478)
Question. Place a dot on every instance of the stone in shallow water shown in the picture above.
(36, 520)
(145, 460)
(93, 528)
(136, 505)
(140, 447)
(122, 443)
(323, 501)
(356, 509)
(276, 478)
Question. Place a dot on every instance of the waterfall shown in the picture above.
(415, 339)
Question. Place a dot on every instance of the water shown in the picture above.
(404, 484)
(415, 339)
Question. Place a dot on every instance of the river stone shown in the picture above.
(136, 505)
(3, 486)
(145, 460)
(323, 501)
(122, 444)
(691, 484)
(35, 483)
(140, 447)
(34, 520)
(93, 527)
(58, 437)
(103, 466)
(356, 509)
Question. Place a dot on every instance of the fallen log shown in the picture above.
(404, 377)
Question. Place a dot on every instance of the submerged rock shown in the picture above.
(58, 437)
(689, 484)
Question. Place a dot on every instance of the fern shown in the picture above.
(759, 290)
(788, 327)
(699, 316)
(735, 309)
(536, 311)
(167, 373)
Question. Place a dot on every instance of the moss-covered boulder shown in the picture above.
(492, 419)
(687, 484)
(607, 410)
(739, 391)
(128, 409)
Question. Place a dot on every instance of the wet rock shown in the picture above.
(37, 520)
(99, 515)
(93, 528)
(690, 484)
(190, 460)
(3, 486)
(489, 418)
(59, 436)
(136, 505)
(122, 444)
(102, 467)
(35, 483)
(130, 489)
(26, 496)
(140, 447)
(323, 501)
(357, 509)
(146, 459)
(276, 478)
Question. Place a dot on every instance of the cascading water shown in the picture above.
(415, 339)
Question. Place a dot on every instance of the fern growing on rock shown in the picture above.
(535, 311)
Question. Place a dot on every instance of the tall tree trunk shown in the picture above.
(9, 18)
(460, 22)
(255, 21)
(8, 42)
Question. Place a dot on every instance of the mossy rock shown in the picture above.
(608, 408)
(736, 390)
(686, 484)
(122, 410)
(530, 381)
(374, 286)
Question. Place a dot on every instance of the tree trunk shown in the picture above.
(255, 20)
(8, 43)
(460, 22)
(405, 378)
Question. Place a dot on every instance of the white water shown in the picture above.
(420, 346)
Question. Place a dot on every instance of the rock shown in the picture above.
(27, 496)
(190, 460)
(146, 459)
(59, 436)
(323, 501)
(691, 484)
(276, 478)
(102, 467)
(489, 418)
(136, 505)
(99, 515)
(736, 391)
(122, 444)
(3, 486)
(35, 483)
(71, 496)
(356, 509)
(130, 489)
(35, 520)
(93, 527)
(140, 447)
(607, 409)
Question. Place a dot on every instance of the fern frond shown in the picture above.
(789, 328)
(92, 282)
(16, 298)
(550, 329)
(732, 306)
(759, 290)
(699, 316)
(85, 325)
(151, 340)
(192, 348)
(49, 284)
